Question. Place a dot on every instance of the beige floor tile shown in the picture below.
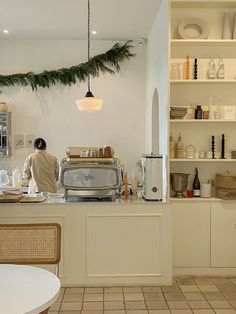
(151, 289)
(202, 304)
(91, 312)
(157, 305)
(137, 312)
(208, 288)
(225, 311)
(53, 312)
(135, 305)
(174, 305)
(170, 289)
(233, 303)
(93, 290)
(113, 297)
(74, 290)
(203, 281)
(194, 296)
(93, 297)
(226, 287)
(185, 281)
(70, 312)
(114, 305)
(220, 280)
(214, 296)
(129, 296)
(59, 299)
(132, 289)
(159, 312)
(91, 306)
(233, 280)
(189, 288)
(71, 306)
(181, 311)
(174, 296)
(113, 289)
(73, 297)
(153, 296)
(55, 307)
(62, 291)
(229, 294)
(220, 304)
(114, 312)
(204, 311)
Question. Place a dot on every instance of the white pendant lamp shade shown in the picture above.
(89, 103)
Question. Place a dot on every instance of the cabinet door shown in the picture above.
(223, 235)
(191, 234)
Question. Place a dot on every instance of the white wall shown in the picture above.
(52, 113)
(157, 77)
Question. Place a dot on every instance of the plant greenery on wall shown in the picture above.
(106, 62)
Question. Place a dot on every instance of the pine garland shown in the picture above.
(106, 62)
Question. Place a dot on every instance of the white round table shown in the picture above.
(26, 289)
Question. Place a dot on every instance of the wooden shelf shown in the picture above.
(200, 121)
(196, 199)
(216, 4)
(201, 160)
(203, 42)
(203, 82)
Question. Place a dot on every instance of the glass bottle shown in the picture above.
(172, 147)
(211, 108)
(221, 70)
(180, 147)
(175, 71)
(196, 185)
(198, 112)
(211, 69)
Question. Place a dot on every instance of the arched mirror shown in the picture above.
(155, 122)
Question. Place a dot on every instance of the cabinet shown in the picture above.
(223, 235)
(184, 92)
(5, 134)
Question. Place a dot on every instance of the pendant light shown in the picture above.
(89, 103)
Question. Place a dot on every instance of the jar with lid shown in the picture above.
(198, 112)
(175, 71)
(190, 151)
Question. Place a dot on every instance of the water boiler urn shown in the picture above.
(152, 174)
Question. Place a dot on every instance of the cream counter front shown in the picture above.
(105, 243)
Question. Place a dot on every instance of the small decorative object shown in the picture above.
(229, 112)
(179, 182)
(202, 155)
(205, 112)
(175, 71)
(227, 33)
(206, 190)
(222, 146)
(195, 69)
(218, 112)
(234, 31)
(213, 146)
(211, 69)
(190, 151)
(180, 147)
(186, 68)
(198, 112)
(3, 107)
(211, 108)
(172, 147)
(193, 28)
(221, 70)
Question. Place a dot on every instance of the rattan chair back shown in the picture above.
(30, 243)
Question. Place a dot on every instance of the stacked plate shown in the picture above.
(178, 112)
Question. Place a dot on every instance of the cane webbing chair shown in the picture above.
(30, 243)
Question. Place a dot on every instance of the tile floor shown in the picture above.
(198, 295)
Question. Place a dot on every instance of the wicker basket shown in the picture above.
(226, 185)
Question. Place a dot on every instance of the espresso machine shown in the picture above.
(152, 177)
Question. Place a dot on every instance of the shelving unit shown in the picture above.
(184, 92)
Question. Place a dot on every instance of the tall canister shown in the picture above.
(152, 174)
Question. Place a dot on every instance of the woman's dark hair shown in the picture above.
(39, 143)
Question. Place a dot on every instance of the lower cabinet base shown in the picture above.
(226, 272)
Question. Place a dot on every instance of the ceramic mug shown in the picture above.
(202, 155)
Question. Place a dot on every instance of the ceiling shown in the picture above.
(67, 19)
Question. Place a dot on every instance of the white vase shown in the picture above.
(234, 31)
(226, 32)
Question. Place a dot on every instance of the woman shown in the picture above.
(41, 168)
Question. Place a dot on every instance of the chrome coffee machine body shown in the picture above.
(152, 175)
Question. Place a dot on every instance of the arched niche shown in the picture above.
(155, 122)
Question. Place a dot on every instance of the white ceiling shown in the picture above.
(67, 19)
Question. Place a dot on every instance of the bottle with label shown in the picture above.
(180, 147)
(172, 147)
(211, 69)
(198, 112)
(196, 185)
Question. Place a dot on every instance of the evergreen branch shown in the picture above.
(108, 62)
